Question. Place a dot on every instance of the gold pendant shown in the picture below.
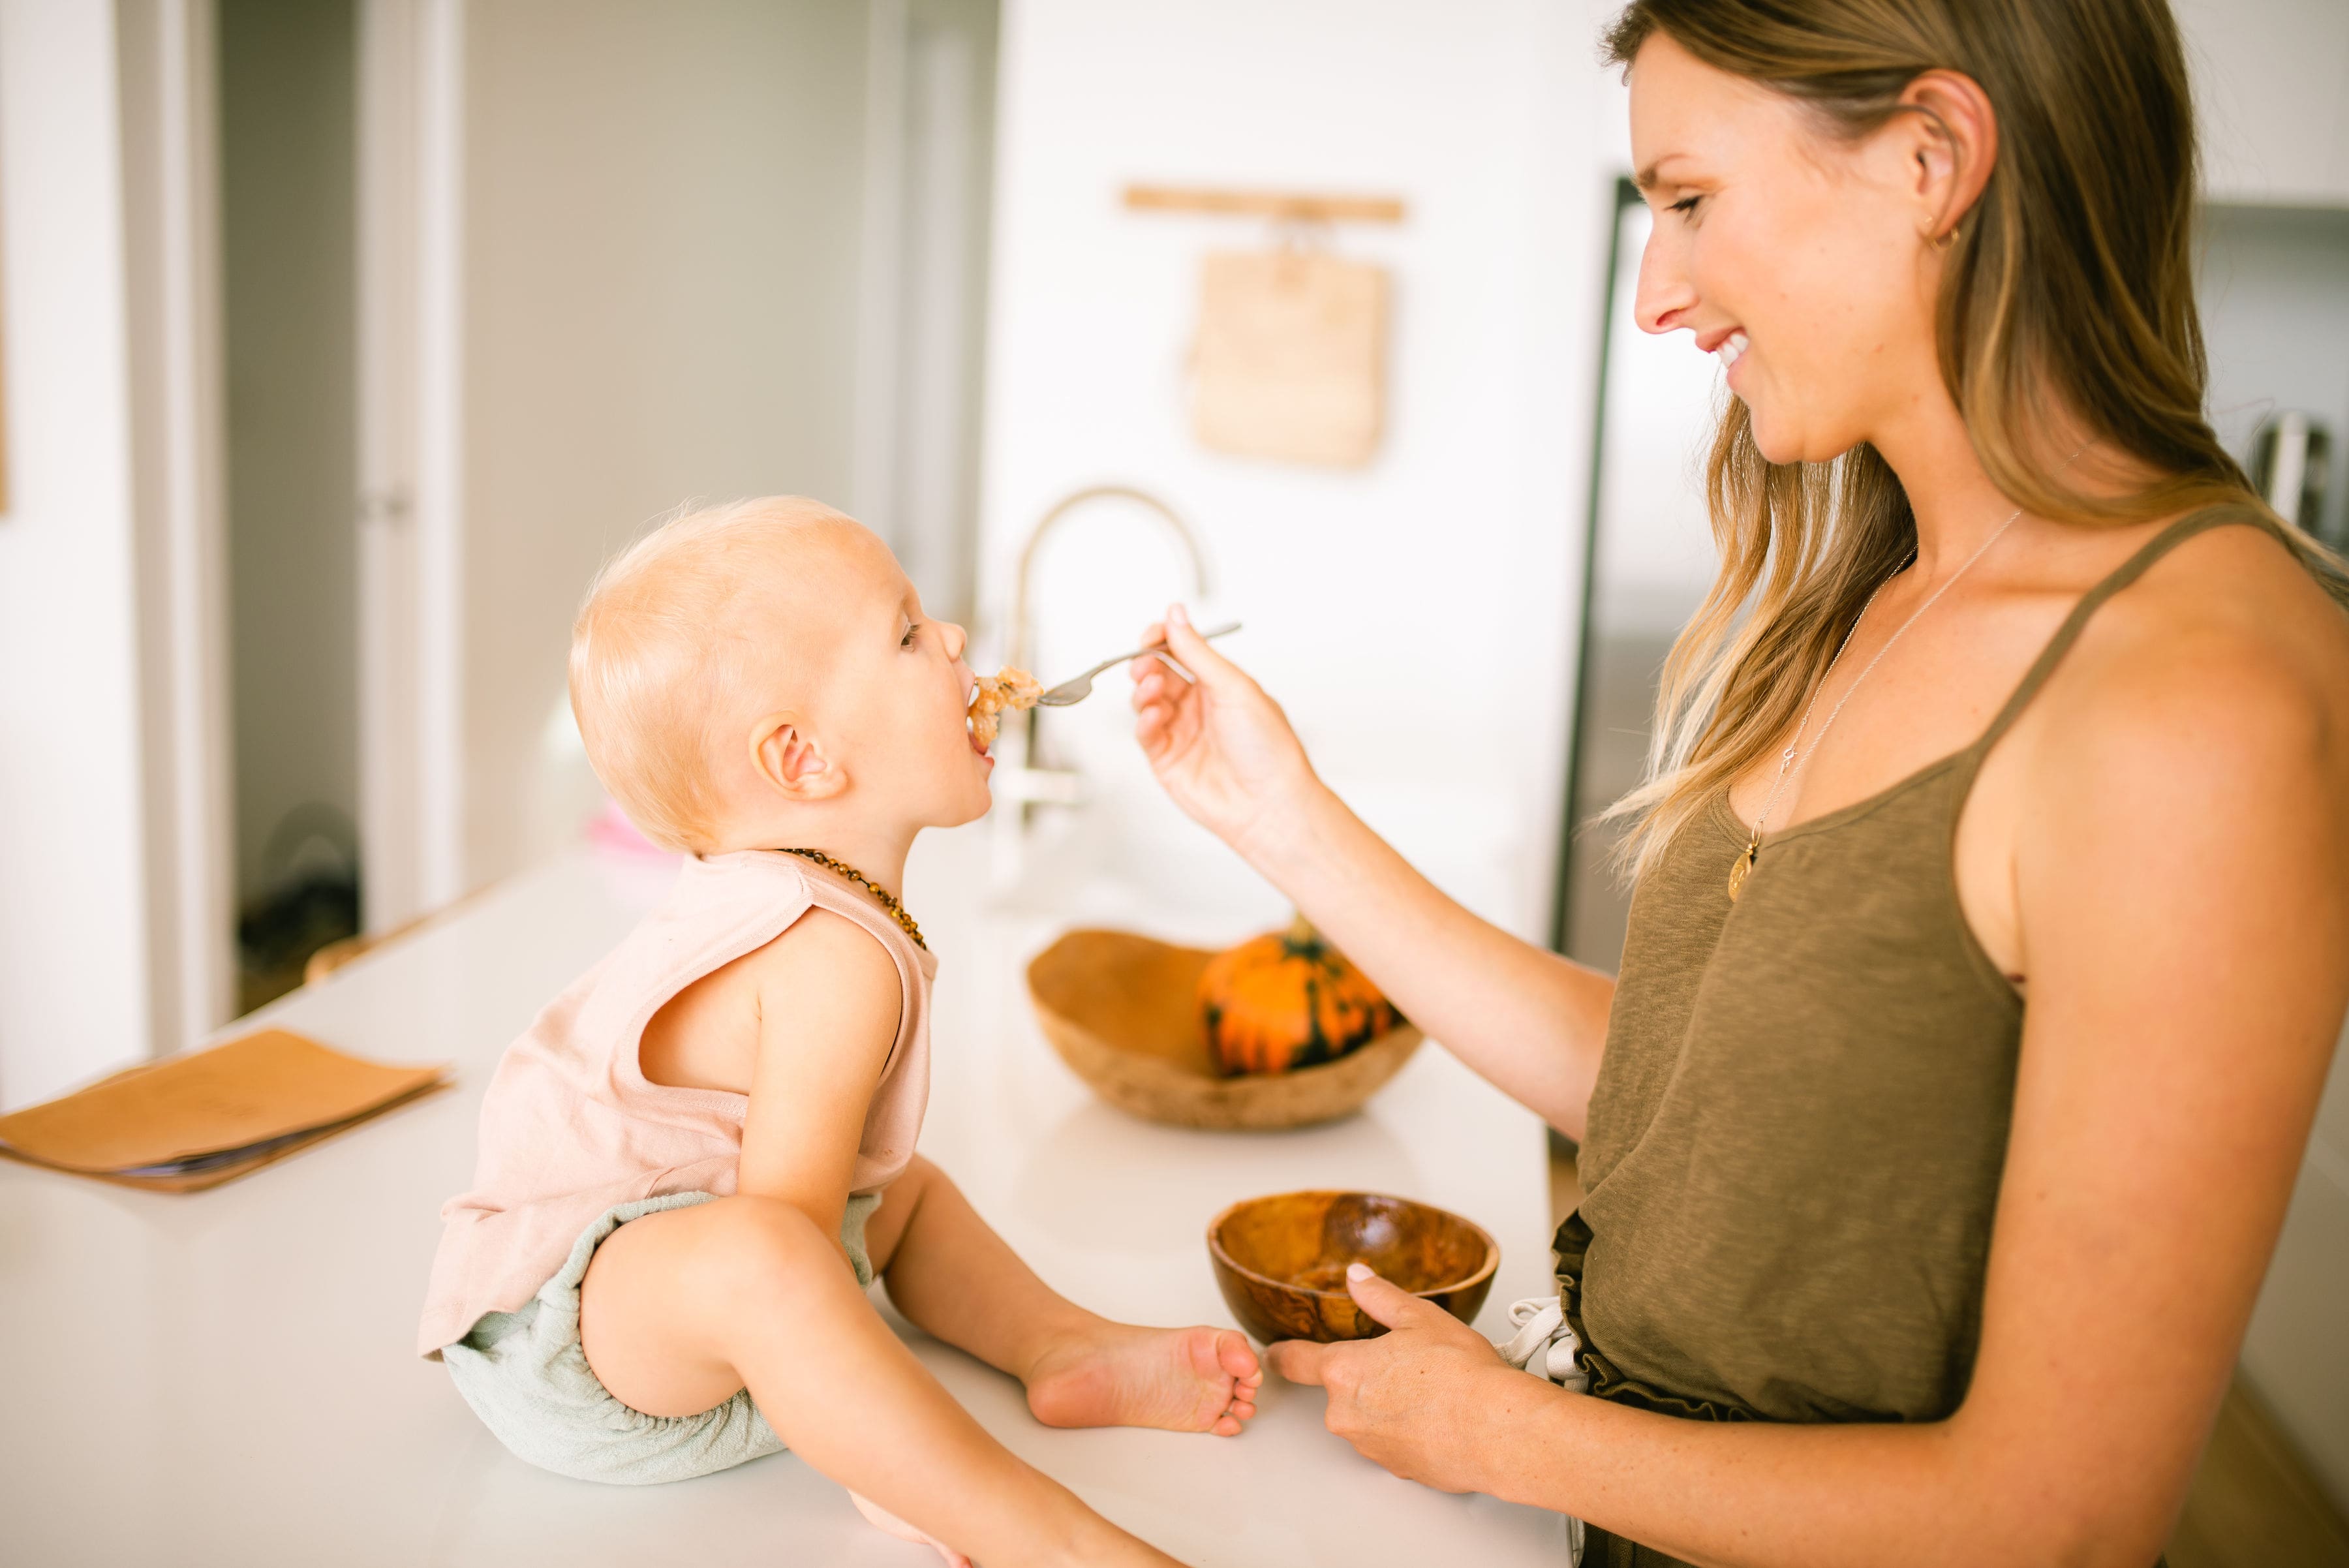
(1739, 869)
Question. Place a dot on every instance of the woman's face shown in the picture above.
(1800, 259)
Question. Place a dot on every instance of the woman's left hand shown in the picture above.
(1420, 1399)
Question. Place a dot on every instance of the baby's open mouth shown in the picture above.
(1007, 691)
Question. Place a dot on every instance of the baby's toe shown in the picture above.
(1237, 1356)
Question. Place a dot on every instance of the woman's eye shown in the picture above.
(1685, 205)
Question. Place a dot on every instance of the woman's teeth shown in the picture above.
(1732, 348)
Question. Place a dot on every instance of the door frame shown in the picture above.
(409, 510)
(167, 68)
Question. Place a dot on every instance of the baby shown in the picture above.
(700, 1154)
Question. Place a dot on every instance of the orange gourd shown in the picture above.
(1288, 999)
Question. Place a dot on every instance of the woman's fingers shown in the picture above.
(1153, 683)
(1196, 653)
(1152, 635)
(1150, 730)
(1386, 1301)
(1299, 1360)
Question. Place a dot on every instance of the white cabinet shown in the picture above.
(2272, 85)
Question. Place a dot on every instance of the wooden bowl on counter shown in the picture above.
(1281, 1260)
(1123, 1011)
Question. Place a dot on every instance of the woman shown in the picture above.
(1980, 982)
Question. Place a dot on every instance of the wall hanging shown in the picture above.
(1289, 359)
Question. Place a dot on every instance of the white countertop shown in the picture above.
(226, 1377)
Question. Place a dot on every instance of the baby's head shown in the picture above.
(761, 675)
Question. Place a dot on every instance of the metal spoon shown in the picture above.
(1079, 688)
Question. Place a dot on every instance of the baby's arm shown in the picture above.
(684, 1307)
(829, 1003)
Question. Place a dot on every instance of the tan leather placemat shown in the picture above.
(198, 1119)
(1291, 358)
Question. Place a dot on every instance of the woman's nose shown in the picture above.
(1664, 293)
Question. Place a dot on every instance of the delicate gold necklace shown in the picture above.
(1743, 865)
(888, 902)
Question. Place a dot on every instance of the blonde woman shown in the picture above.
(1991, 930)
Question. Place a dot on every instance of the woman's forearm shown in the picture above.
(1768, 1495)
(1527, 1020)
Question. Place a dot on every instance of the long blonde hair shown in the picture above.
(2066, 302)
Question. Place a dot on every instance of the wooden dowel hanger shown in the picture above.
(1278, 204)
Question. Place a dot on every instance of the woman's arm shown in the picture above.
(2182, 877)
(1530, 1021)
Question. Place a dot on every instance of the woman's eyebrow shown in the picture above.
(1649, 178)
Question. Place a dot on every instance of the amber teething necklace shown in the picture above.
(1743, 865)
(888, 902)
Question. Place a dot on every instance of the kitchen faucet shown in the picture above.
(1019, 785)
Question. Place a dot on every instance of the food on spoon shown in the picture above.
(1288, 999)
(1007, 691)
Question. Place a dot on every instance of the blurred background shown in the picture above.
(343, 339)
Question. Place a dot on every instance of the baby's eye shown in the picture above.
(911, 630)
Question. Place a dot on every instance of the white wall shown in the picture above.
(73, 978)
(2268, 88)
(1414, 616)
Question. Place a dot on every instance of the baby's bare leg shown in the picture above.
(682, 1308)
(947, 1272)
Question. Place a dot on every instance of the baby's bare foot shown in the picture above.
(1178, 1379)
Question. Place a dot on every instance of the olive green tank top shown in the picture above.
(1797, 1134)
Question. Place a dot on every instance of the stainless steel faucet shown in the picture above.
(1019, 785)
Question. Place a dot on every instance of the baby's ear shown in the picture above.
(792, 761)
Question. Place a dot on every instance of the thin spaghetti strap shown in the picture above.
(2218, 516)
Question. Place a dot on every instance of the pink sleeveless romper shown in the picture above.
(575, 1142)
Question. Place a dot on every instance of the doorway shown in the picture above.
(288, 139)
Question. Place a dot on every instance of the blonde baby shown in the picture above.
(699, 1155)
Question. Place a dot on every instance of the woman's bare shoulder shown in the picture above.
(2227, 659)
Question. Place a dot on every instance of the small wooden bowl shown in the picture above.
(1281, 1260)
(1123, 1011)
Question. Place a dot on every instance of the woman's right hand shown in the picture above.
(1219, 745)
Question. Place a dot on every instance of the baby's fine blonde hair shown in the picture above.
(658, 649)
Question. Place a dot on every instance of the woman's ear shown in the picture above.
(1954, 149)
(792, 761)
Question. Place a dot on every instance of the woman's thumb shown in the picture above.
(1196, 653)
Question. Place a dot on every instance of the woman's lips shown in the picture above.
(1732, 354)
